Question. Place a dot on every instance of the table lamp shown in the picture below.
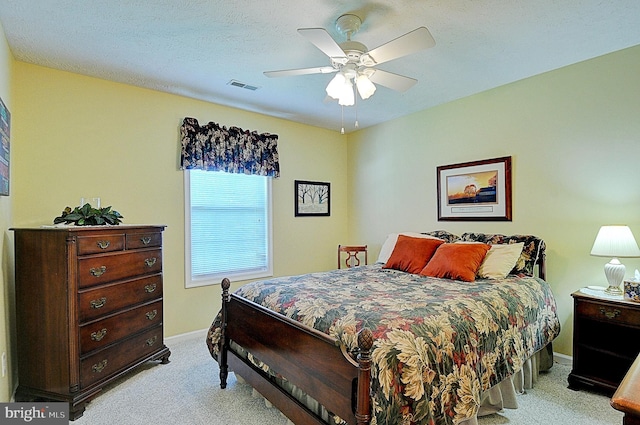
(615, 242)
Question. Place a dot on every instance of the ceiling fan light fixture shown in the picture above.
(347, 97)
(365, 87)
(335, 86)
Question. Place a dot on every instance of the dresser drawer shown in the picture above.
(111, 267)
(103, 332)
(105, 363)
(106, 299)
(103, 243)
(617, 313)
(143, 240)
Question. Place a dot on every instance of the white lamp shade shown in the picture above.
(615, 241)
(365, 87)
(336, 86)
(347, 97)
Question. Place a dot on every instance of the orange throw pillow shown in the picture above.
(412, 254)
(458, 261)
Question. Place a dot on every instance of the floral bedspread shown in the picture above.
(438, 343)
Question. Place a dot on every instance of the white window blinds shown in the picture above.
(229, 227)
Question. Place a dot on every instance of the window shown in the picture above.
(227, 227)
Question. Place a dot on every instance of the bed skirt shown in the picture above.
(504, 394)
(499, 397)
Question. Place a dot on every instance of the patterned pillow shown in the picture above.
(534, 248)
(443, 234)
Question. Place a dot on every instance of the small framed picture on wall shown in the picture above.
(312, 198)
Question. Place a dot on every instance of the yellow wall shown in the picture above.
(573, 135)
(77, 136)
(6, 250)
(6, 247)
(574, 138)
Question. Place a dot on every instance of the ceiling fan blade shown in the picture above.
(323, 41)
(412, 42)
(393, 81)
(301, 71)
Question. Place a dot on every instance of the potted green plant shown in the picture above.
(86, 215)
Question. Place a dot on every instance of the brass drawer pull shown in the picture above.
(146, 240)
(98, 271)
(152, 341)
(152, 314)
(99, 303)
(610, 314)
(103, 244)
(150, 288)
(98, 335)
(99, 367)
(150, 262)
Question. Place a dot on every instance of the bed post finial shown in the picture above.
(226, 284)
(363, 405)
(224, 344)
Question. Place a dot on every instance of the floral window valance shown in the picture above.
(233, 150)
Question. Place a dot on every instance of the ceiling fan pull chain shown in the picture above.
(342, 110)
(356, 103)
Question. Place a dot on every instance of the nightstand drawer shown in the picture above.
(106, 299)
(109, 268)
(616, 313)
(103, 332)
(105, 363)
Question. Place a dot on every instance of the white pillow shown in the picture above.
(500, 260)
(390, 243)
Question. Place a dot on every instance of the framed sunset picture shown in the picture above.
(475, 191)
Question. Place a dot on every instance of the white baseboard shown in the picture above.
(562, 359)
(193, 334)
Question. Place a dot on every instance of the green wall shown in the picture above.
(574, 138)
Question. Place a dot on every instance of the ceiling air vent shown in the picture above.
(242, 85)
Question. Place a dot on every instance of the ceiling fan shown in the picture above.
(354, 63)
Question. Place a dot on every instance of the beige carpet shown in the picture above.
(186, 391)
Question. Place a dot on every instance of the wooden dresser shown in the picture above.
(88, 309)
(606, 341)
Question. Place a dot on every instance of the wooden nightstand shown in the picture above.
(606, 340)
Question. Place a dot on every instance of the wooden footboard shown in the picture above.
(313, 361)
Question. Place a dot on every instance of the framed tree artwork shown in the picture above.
(475, 191)
(312, 198)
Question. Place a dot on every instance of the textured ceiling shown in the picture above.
(196, 47)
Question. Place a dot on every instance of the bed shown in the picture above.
(384, 344)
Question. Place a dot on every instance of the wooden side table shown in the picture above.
(606, 340)
(627, 397)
